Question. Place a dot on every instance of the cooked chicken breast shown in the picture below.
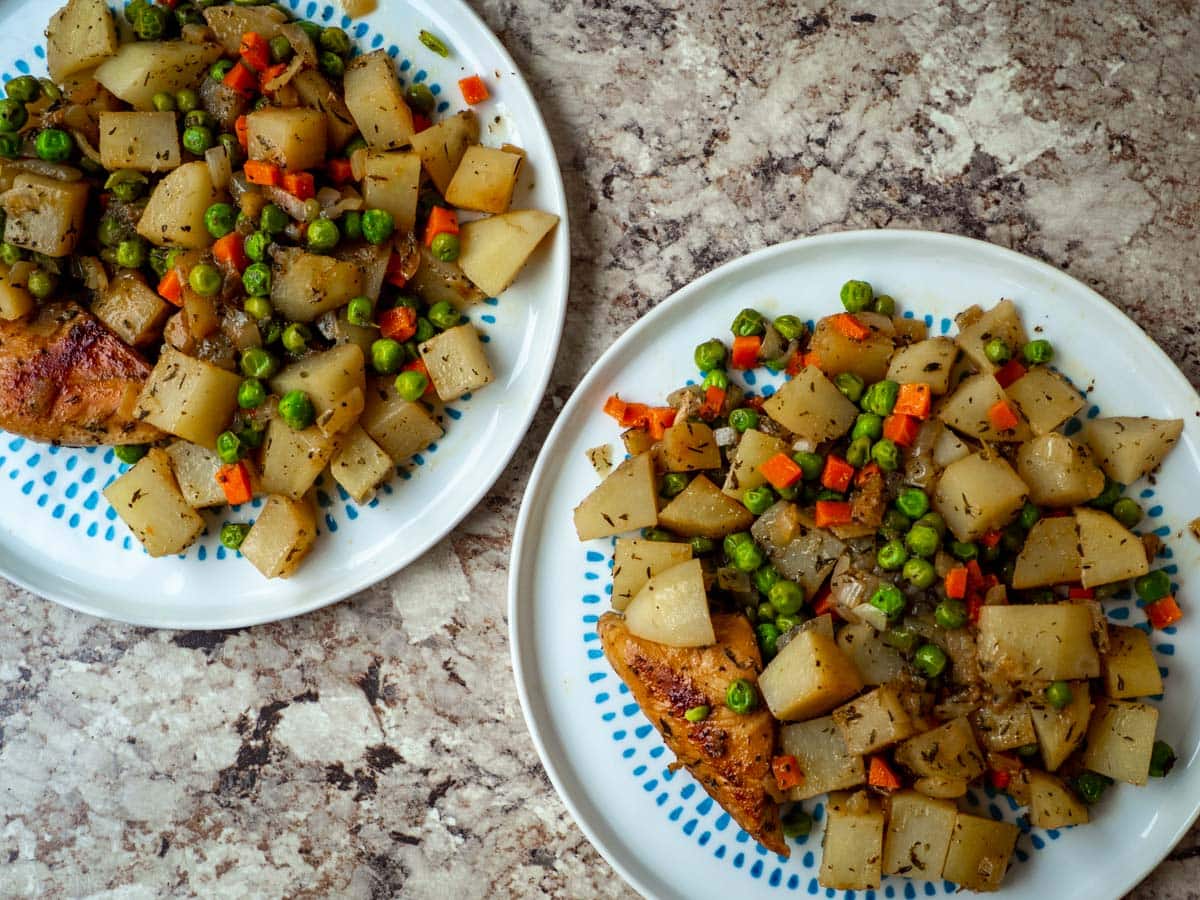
(729, 754)
(67, 379)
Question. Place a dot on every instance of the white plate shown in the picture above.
(58, 537)
(658, 828)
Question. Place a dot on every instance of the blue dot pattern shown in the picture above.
(680, 800)
(66, 483)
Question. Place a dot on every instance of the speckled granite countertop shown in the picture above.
(377, 748)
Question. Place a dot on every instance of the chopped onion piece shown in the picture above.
(725, 437)
(48, 169)
(18, 275)
(219, 167)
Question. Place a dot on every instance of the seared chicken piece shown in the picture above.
(66, 378)
(729, 754)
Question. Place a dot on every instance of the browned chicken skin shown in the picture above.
(67, 379)
(729, 754)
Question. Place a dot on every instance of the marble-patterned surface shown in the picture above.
(377, 749)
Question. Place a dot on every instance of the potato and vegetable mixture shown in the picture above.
(885, 582)
(277, 240)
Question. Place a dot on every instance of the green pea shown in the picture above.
(361, 311)
(257, 279)
(164, 102)
(420, 98)
(50, 89)
(352, 225)
(922, 541)
(710, 355)
(1162, 759)
(251, 394)
(895, 525)
(716, 378)
(741, 696)
(743, 419)
(387, 356)
(766, 577)
(786, 623)
(931, 660)
(903, 639)
(919, 573)
(233, 535)
(884, 305)
(867, 425)
(856, 296)
(126, 184)
(913, 502)
(1059, 694)
(747, 557)
(1037, 352)
(295, 338)
(811, 464)
(786, 597)
(331, 64)
(229, 447)
(261, 103)
(735, 540)
(10, 145)
(1153, 585)
(274, 331)
(200, 117)
(764, 611)
(112, 231)
(758, 500)
(151, 23)
(1110, 495)
(323, 235)
(281, 49)
(377, 226)
(790, 328)
(205, 280)
(434, 43)
(1127, 512)
(964, 551)
(880, 397)
(187, 14)
(41, 283)
(444, 315)
(768, 639)
(335, 40)
(997, 351)
(889, 600)
(673, 484)
(186, 100)
(131, 254)
(10, 254)
(1090, 786)
(258, 307)
(197, 139)
(830, 495)
(13, 115)
(411, 385)
(748, 323)
(220, 219)
(258, 363)
(887, 454)
(273, 219)
(934, 521)
(296, 410)
(1028, 750)
(129, 453)
(1029, 516)
(850, 385)
(891, 556)
(797, 823)
(425, 330)
(23, 89)
(218, 70)
(951, 614)
(859, 452)
(54, 145)
(696, 714)
(256, 245)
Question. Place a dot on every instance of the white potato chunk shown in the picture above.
(811, 407)
(1052, 805)
(1001, 321)
(852, 852)
(148, 500)
(809, 677)
(174, 216)
(141, 69)
(189, 398)
(970, 409)
(495, 249)
(635, 561)
(1050, 554)
(402, 428)
(391, 183)
(1130, 669)
(360, 465)
(292, 139)
(1045, 398)
(822, 756)
(15, 300)
(1120, 740)
(441, 146)
(456, 362)
(624, 501)
(925, 362)
(80, 35)
(1061, 731)
(281, 536)
(147, 141)
(45, 215)
(484, 180)
(1058, 471)
(195, 470)
(753, 449)
(1046, 642)
(977, 494)
(672, 608)
(292, 460)
(918, 835)
(1128, 447)
(1109, 551)
(376, 101)
(979, 853)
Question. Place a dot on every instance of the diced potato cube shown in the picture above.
(1047, 642)
(1109, 551)
(360, 465)
(672, 608)
(1001, 321)
(195, 470)
(315, 92)
(1004, 727)
(293, 460)
(852, 854)
(326, 377)
(876, 662)
(928, 362)
(753, 449)
(436, 280)
(141, 69)
(867, 358)
(293, 139)
(343, 413)
(1060, 731)
(822, 756)
(968, 410)
(80, 35)
(495, 249)
(131, 309)
(979, 852)
(1128, 447)
(948, 750)
(1058, 471)
(15, 300)
(1052, 805)
(45, 215)
(1120, 740)
(174, 216)
(484, 180)
(1130, 669)
(304, 285)
(391, 183)
(918, 836)
(812, 407)
(401, 427)
(636, 561)
(624, 501)
(376, 101)
(1050, 554)
(873, 721)
(977, 494)
(809, 677)
(702, 510)
(148, 500)
(189, 398)
(456, 362)
(1045, 398)
(689, 447)
(229, 23)
(441, 146)
(148, 141)
(281, 536)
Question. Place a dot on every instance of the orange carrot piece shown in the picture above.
(441, 220)
(170, 288)
(614, 406)
(660, 418)
(340, 171)
(867, 472)
(956, 583)
(259, 172)
(849, 326)
(990, 538)
(255, 51)
(837, 473)
(714, 401)
(914, 399)
(239, 127)
(832, 512)
(399, 323)
(300, 185)
(1163, 613)
(880, 775)
(901, 429)
(473, 90)
(1002, 416)
(234, 479)
(241, 79)
(781, 471)
(745, 352)
(230, 251)
(786, 769)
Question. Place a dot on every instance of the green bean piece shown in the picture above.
(741, 696)
(743, 419)
(377, 226)
(919, 573)
(748, 323)
(787, 597)
(296, 410)
(931, 660)
(434, 43)
(129, 453)
(856, 296)
(891, 556)
(951, 614)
